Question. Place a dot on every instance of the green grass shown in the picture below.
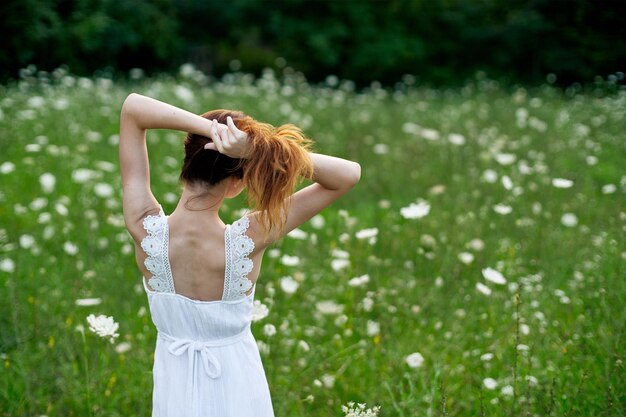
(563, 300)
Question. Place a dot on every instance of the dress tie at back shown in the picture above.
(210, 363)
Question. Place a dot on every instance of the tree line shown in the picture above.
(440, 42)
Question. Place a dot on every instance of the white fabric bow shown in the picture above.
(210, 363)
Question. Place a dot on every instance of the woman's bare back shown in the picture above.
(197, 257)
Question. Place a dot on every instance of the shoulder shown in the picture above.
(250, 230)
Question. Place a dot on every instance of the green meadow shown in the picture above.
(477, 269)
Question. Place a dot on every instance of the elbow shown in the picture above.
(129, 104)
(355, 174)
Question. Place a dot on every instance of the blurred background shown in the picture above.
(439, 42)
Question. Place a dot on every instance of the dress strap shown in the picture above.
(237, 248)
(156, 247)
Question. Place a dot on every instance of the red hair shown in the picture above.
(278, 159)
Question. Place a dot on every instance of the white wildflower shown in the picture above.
(507, 390)
(82, 175)
(486, 357)
(70, 248)
(187, 70)
(609, 188)
(591, 159)
(359, 281)
(35, 102)
(524, 329)
(381, 149)
(367, 303)
(411, 128)
(27, 241)
(61, 209)
(269, 330)
(490, 383)
(259, 310)
(93, 136)
(466, 257)
(105, 166)
(373, 328)
(7, 167)
(429, 134)
(317, 221)
(304, 345)
(47, 182)
(532, 381)
(506, 182)
(476, 244)
(341, 254)
(328, 380)
(329, 307)
(122, 347)
(61, 104)
(359, 410)
(456, 139)
(298, 234)
(505, 158)
(415, 360)
(38, 203)
(415, 210)
(264, 348)
(103, 190)
(339, 264)
(183, 93)
(569, 220)
(428, 241)
(502, 209)
(437, 189)
(103, 326)
(32, 147)
(85, 302)
(483, 288)
(288, 260)
(288, 285)
(341, 320)
(367, 233)
(490, 176)
(7, 265)
(494, 276)
(562, 183)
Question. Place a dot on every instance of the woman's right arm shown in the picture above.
(333, 178)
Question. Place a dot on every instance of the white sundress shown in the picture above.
(206, 360)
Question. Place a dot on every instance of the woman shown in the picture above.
(199, 273)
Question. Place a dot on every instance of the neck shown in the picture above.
(202, 201)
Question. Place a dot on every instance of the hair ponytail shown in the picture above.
(278, 160)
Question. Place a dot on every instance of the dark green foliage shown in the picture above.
(439, 41)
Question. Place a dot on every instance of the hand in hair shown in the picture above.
(228, 139)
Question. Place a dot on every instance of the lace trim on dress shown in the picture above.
(155, 244)
(237, 247)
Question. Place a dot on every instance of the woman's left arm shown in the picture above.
(138, 114)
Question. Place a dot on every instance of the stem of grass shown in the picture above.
(82, 333)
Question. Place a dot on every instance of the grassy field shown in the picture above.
(486, 237)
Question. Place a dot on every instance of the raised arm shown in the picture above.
(140, 113)
(333, 178)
